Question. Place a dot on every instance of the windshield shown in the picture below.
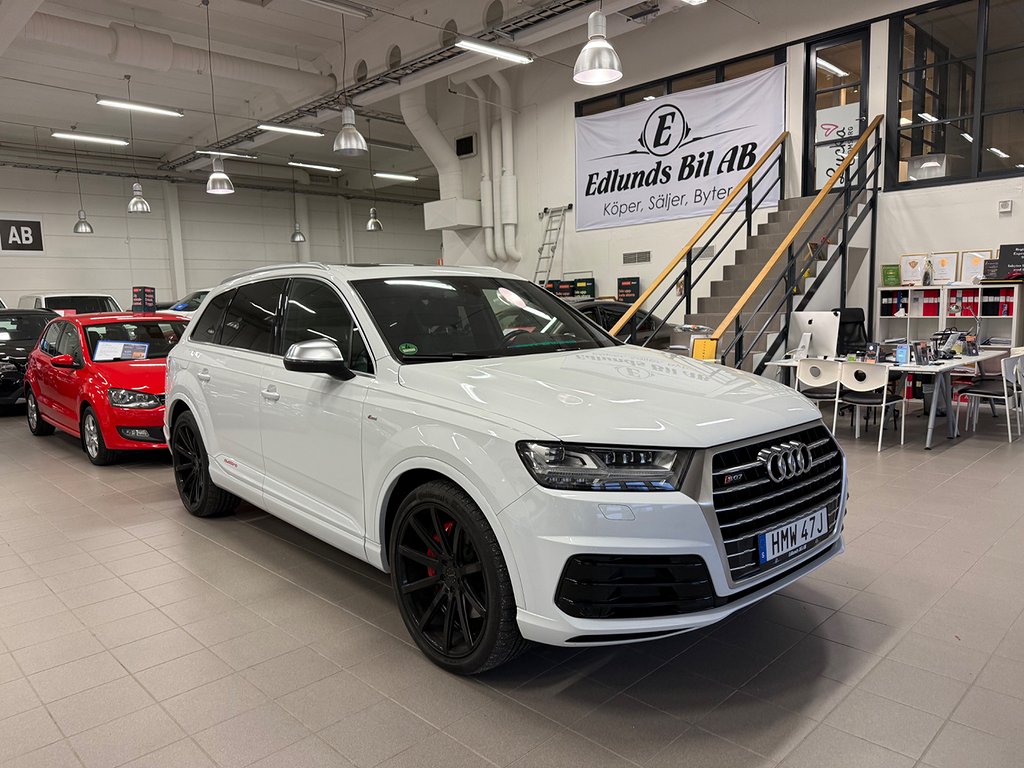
(190, 303)
(425, 319)
(82, 305)
(22, 327)
(134, 340)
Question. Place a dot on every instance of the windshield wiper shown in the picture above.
(446, 356)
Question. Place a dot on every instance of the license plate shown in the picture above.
(792, 536)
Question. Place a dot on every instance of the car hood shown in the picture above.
(140, 375)
(624, 395)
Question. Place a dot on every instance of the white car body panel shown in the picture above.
(462, 419)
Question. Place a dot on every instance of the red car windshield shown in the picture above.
(132, 340)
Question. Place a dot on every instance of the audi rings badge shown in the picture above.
(786, 461)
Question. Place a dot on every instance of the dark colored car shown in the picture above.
(607, 312)
(19, 332)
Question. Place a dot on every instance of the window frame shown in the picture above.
(719, 69)
(356, 325)
(896, 73)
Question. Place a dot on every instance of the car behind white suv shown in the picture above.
(519, 473)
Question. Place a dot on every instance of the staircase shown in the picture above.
(751, 259)
(779, 267)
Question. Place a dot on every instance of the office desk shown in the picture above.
(943, 373)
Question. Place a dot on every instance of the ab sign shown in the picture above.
(21, 235)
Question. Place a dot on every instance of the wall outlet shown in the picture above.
(1006, 206)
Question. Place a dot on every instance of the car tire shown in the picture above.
(191, 464)
(36, 424)
(456, 600)
(92, 439)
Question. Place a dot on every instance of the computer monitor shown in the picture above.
(823, 328)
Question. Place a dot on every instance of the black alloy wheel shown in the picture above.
(451, 581)
(192, 471)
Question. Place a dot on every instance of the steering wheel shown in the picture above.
(513, 333)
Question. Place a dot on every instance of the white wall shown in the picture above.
(220, 235)
(946, 218)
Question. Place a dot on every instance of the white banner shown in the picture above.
(677, 156)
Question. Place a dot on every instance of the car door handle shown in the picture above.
(271, 394)
(203, 376)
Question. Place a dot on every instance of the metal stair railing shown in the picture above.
(858, 182)
(743, 200)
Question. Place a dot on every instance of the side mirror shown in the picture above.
(317, 356)
(64, 361)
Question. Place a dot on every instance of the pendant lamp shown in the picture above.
(597, 64)
(373, 223)
(138, 203)
(82, 226)
(297, 236)
(349, 142)
(218, 183)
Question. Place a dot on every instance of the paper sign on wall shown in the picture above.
(677, 156)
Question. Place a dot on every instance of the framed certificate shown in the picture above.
(972, 265)
(912, 268)
(944, 267)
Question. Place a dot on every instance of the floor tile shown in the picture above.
(827, 746)
(251, 736)
(156, 649)
(182, 674)
(958, 746)
(993, 713)
(209, 704)
(914, 687)
(374, 734)
(26, 732)
(126, 738)
(76, 676)
(503, 730)
(885, 722)
(82, 711)
(698, 747)
(290, 672)
(570, 751)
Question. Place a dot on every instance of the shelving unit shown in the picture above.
(933, 308)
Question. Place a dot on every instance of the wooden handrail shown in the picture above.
(700, 233)
(788, 240)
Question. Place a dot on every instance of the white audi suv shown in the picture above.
(519, 473)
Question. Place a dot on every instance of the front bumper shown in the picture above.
(119, 426)
(548, 529)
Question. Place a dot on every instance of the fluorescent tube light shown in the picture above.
(135, 106)
(392, 145)
(929, 117)
(998, 152)
(315, 167)
(395, 176)
(968, 136)
(342, 6)
(76, 136)
(316, 132)
(649, 98)
(491, 49)
(695, 2)
(226, 153)
(828, 66)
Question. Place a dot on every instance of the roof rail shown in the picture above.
(276, 268)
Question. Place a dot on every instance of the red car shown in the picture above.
(100, 377)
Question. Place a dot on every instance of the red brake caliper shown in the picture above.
(431, 571)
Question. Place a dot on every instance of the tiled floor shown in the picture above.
(132, 634)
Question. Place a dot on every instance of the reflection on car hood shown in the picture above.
(140, 375)
(621, 396)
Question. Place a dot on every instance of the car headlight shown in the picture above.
(129, 398)
(609, 468)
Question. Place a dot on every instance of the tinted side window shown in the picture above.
(48, 343)
(207, 325)
(315, 311)
(251, 317)
(70, 343)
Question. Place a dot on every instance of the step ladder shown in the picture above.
(555, 219)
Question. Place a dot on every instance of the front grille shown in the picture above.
(748, 502)
(634, 586)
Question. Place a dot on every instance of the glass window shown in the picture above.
(82, 305)
(22, 328)
(250, 319)
(207, 326)
(839, 114)
(48, 343)
(646, 93)
(69, 342)
(315, 311)
(190, 303)
(597, 106)
(135, 340)
(428, 319)
(749, 66)
(691, 81)
(942, 133)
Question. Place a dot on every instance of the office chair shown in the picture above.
(853, 333)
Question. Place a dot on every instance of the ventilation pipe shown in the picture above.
(413, 105)
(486, 188)
(145, 49)
(509, 220)
(499, 235)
